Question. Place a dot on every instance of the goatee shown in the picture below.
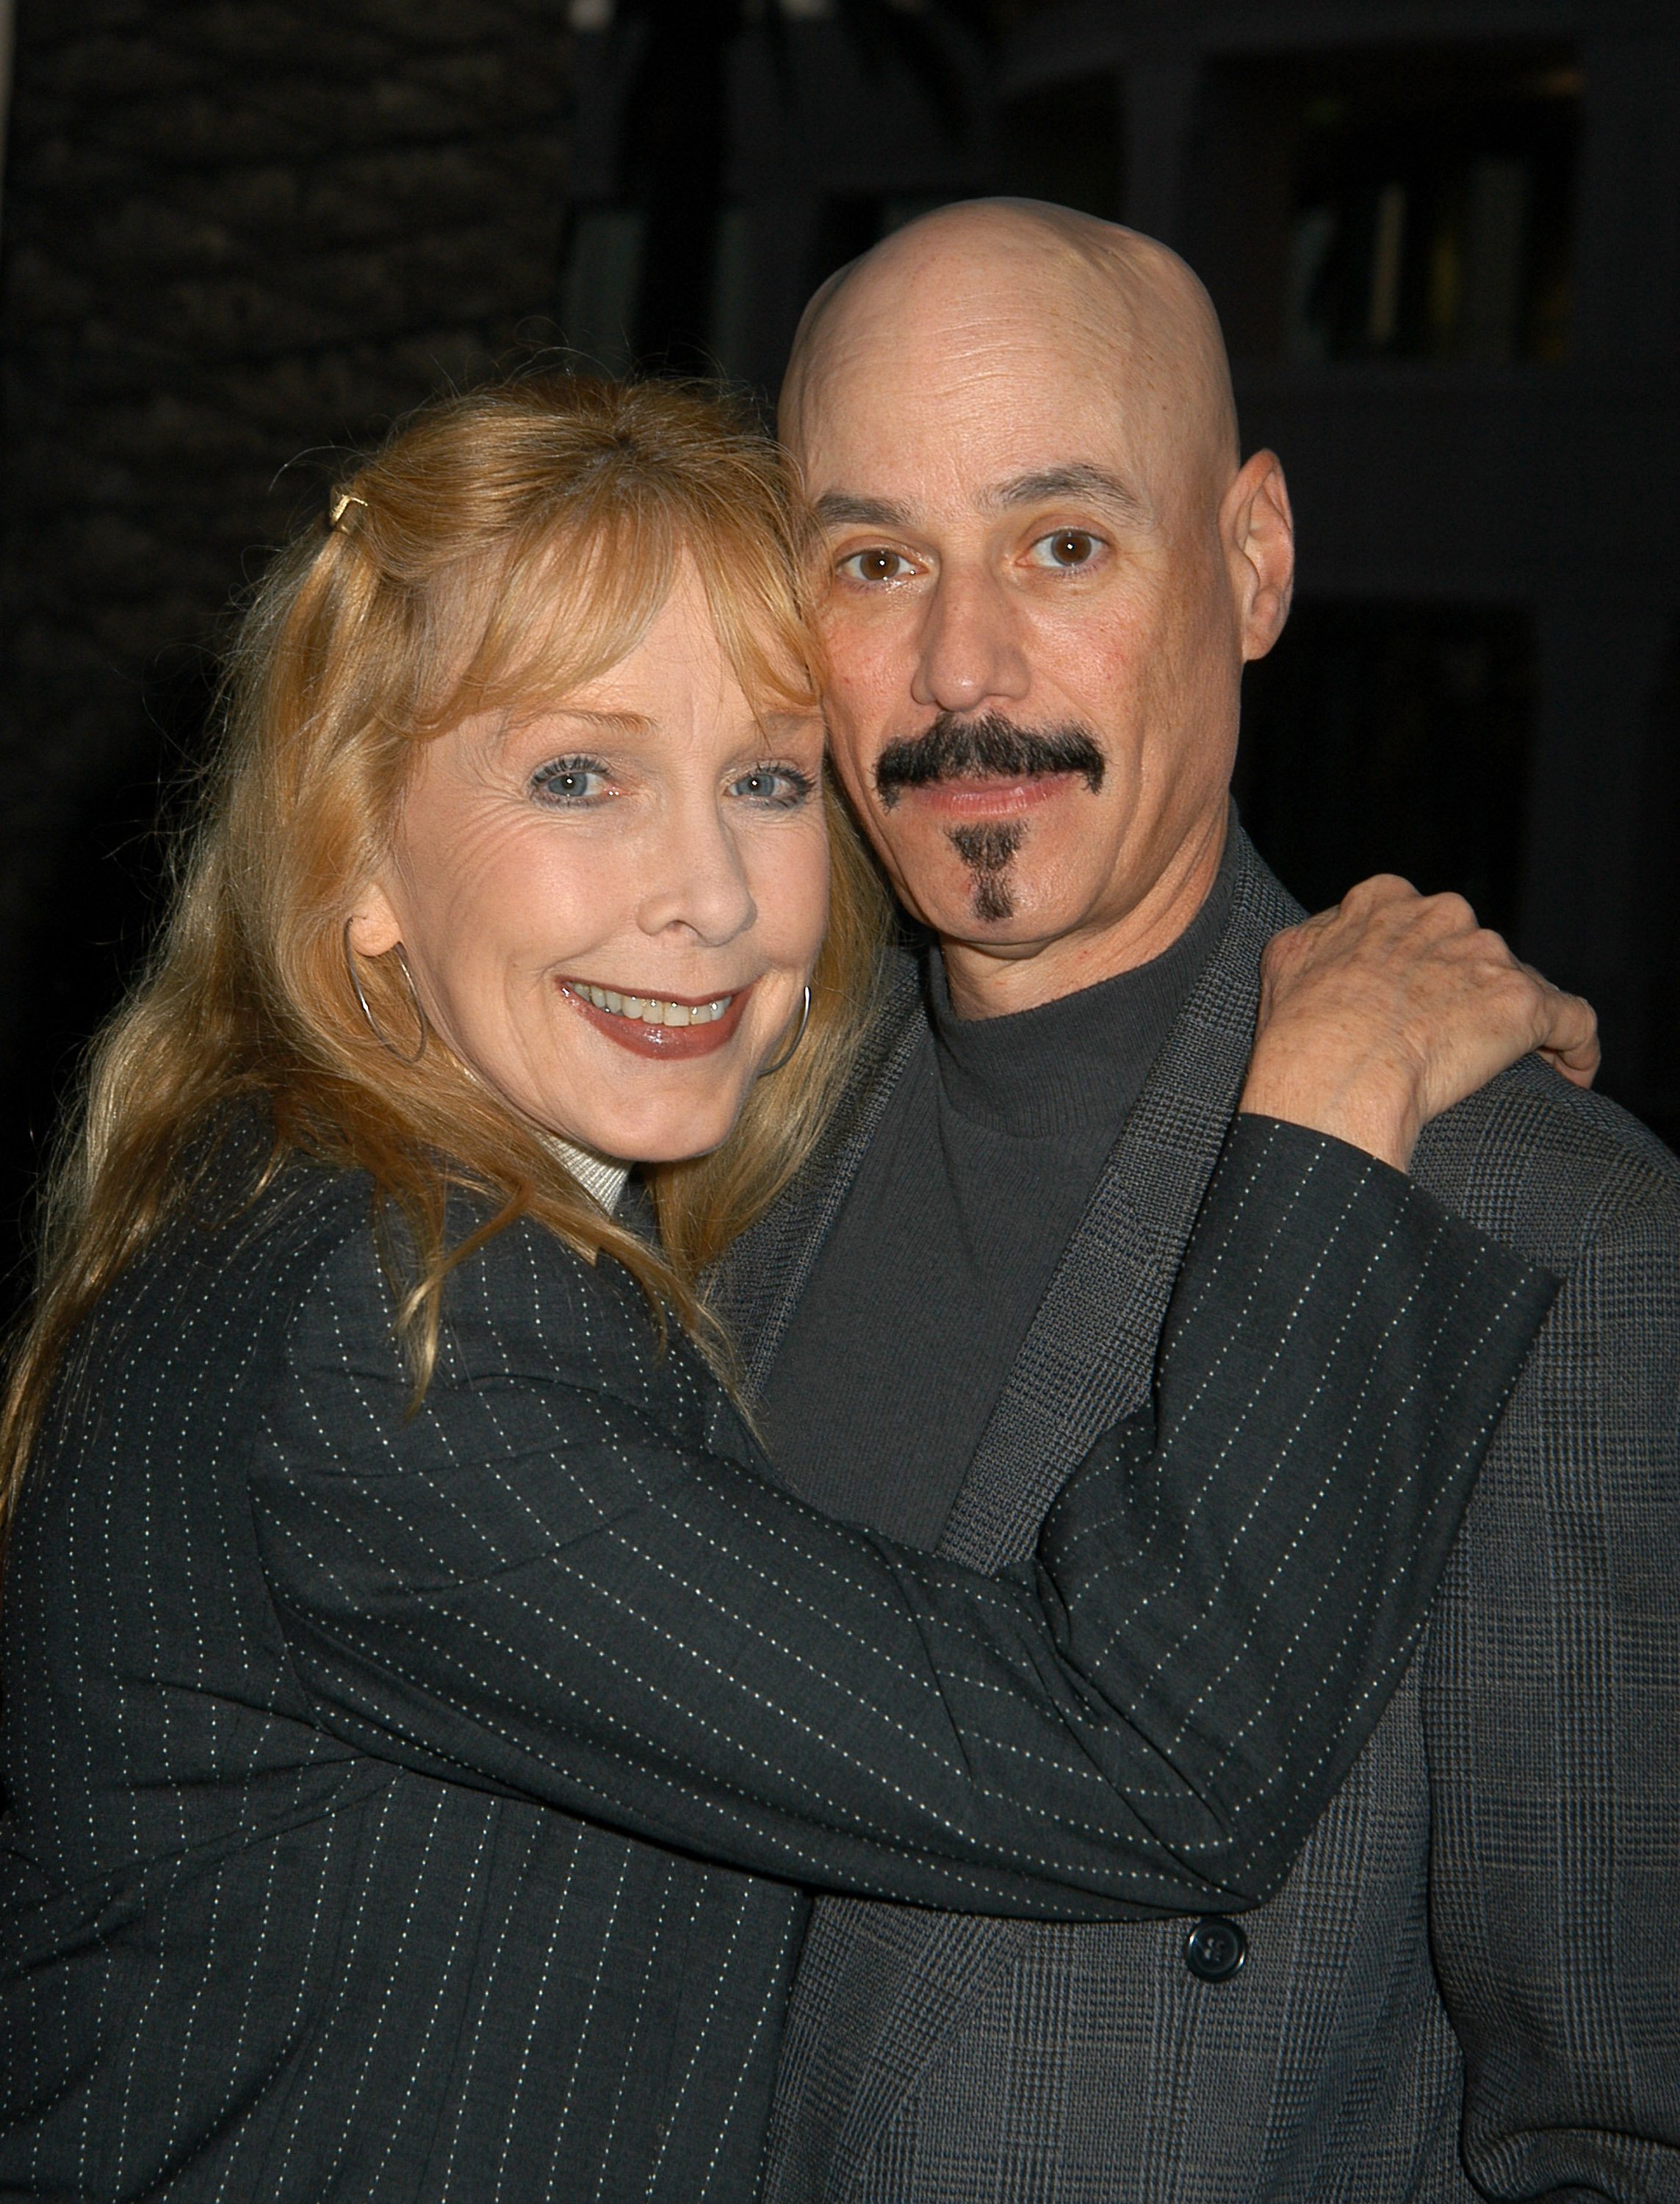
(989, 851)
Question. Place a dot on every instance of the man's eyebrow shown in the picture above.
(1079, 480)
(840, 508)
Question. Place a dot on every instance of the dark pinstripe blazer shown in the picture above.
(1470, 1983)
(363, 1768)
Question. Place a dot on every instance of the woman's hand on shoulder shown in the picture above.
(1378, 1014)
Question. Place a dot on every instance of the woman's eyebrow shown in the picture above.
(1079, 480)
(787, 719)
(622, 724)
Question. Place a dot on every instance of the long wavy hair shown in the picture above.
(506, 544)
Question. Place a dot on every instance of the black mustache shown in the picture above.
(958, 749)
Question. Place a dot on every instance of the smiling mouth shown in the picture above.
(655, 1010)
(667, 1027)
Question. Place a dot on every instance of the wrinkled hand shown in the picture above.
(1377, 1016)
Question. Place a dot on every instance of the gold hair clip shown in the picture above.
(342, 501)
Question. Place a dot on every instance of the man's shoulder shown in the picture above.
(1550, 1170)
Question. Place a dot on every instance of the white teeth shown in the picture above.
(651, 1010)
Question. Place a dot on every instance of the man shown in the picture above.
(1048, 569)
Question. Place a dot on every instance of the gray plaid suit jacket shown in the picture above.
(1470, 1983)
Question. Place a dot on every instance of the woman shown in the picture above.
(421, 1709)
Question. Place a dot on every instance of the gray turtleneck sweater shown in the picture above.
(984, 1160)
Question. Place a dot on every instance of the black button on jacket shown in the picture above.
(1215, 1949)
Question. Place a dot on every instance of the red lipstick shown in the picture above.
(667, 1043)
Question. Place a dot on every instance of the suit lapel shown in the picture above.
(1089, 1357)
(881, 1988)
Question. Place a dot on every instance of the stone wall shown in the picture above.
(237, 237)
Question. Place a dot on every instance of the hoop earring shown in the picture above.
(388, 1045)
(787, 1055)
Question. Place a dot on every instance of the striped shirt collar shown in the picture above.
(601, 1177)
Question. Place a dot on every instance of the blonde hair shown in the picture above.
(511, 541)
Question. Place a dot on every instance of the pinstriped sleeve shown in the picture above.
(529, 1586)
(1337, 1355)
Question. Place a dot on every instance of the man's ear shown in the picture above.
(374, 925)
(1259, 533)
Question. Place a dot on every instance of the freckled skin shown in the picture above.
(981, 350)
(673, 876)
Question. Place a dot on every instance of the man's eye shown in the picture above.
(877, 565)
(1068, 548)
(569, 780)
(783, 786)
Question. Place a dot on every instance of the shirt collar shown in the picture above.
(601, 1177)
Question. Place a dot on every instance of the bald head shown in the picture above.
(1013, 288)
(1046, 568)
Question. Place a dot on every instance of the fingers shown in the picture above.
(1380, 888)
(1560, 1027)
(1578, 1074)
(1388, 895)
(1569, 1042)
(1393, 1006)
(1568, 1036)
(1387, 910)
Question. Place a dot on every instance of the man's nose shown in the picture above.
(970, 652)
(695, 880)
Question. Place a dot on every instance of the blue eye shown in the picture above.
(568, 780)
(782, 786)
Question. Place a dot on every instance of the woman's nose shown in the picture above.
(695, 879)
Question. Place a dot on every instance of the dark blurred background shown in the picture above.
(1444, 235)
